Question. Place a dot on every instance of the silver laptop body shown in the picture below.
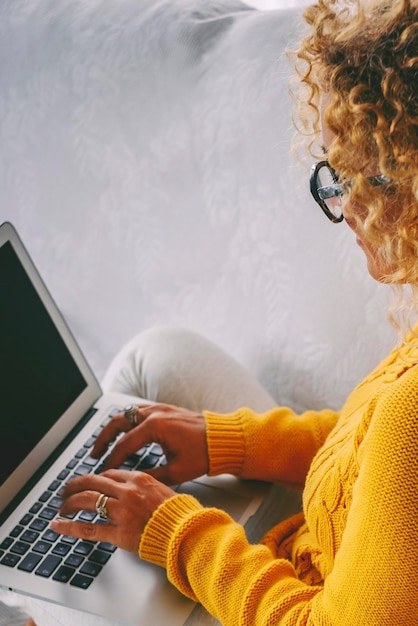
(51, 407)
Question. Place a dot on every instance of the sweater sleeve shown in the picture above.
(241, 584)
(373, 577)
(277, 446)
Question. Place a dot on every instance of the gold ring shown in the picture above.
(101, 503)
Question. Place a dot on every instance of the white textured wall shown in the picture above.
(145, 158)
(277, 4)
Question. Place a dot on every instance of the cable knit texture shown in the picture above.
(350, 560)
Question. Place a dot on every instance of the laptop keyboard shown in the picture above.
(34, 548)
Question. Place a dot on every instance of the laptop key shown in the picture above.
(35, 507)
(69, 539)
(99, 556)
(63, 574)
(50, 535)
(47, 513)
(62, 549)
(55, 502)
(48, 565)
(91, 569)
(74, 560)
(26, 519)
(16, 531)
(82, 470)
(6, 543)
(45, 496)
(90, 461)
(109, 547)
(10, 560)
(29, 562)
(87, 516)
(42, 546)
(81, 581)
(38, 524)
(131, 461)
(157, 449)
(149, 461)
(84, 548)
(29, 536)
(100, 466)
(19, 547)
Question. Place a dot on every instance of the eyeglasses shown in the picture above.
(328, 192)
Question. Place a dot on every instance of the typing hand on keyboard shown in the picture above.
(125, 500)
(161, 429)
(178, 432)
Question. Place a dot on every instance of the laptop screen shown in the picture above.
(39, 378)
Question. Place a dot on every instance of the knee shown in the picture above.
(163, 352)
(166, 359)
(164, 346)
(150, 363)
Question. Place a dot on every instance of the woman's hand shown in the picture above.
(132, 497)
(181, 434)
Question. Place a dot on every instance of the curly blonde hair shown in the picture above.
(363, 55)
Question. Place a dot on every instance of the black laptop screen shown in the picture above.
(39, 378)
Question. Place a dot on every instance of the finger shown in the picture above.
(119, 476)
(118, 424)
(133, 440)
(90, 501)
(83, 530)
(87, 501)
(92, 482)
(163, 473)
(80, 501)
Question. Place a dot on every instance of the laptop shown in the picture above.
(52, 409)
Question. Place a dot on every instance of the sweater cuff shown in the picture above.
(163, 524)
(225, 439)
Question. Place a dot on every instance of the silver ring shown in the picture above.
(101, 503)
(131, 411)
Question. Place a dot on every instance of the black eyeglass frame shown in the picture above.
(321, 194)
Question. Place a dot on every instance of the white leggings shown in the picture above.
(180, 367)
(164, 364)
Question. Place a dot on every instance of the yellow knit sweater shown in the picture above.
(352, 560)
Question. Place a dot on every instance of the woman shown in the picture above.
(351, 558)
